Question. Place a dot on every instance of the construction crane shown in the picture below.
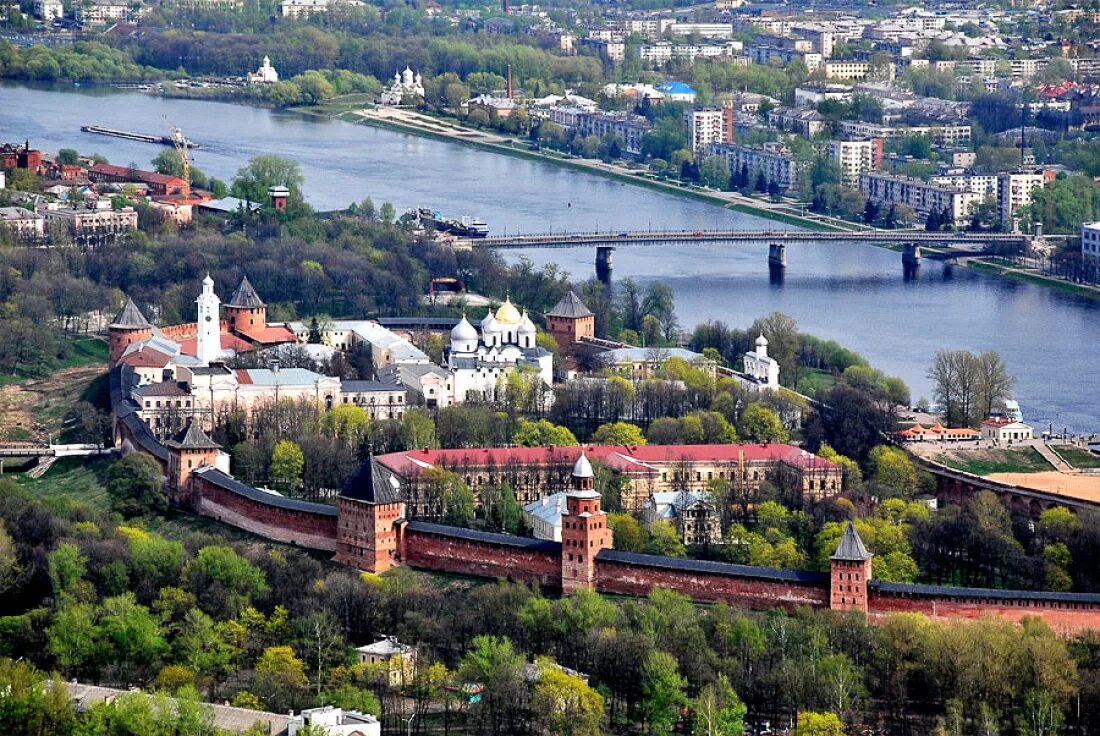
(179, 141)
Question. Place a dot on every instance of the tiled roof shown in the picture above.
(851, 546)
(192, 437)
(165, 388)
(714, 568)
(570, 305)
(501, 539)
(146, 357)
(373, 485)
(269, 334)
(229, 483)
(129, 317)
(245, 296)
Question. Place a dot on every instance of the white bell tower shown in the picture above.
(209, 343)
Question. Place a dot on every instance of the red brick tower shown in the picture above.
(584, 531)
(569, 321)
(188, 450)
(128, 326)
(245, 311)
(368, 515)
(279, 196)
(849, 573)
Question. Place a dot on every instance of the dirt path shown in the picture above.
(42, 401)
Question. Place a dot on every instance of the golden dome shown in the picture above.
(507, 314)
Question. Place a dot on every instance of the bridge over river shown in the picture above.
(940, 245)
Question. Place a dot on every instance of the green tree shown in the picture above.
(134, 636)
(891, 468)
(564, 704)
(31, 704)
(758, 423)
(74, 640)
(818, 724)
(67, 566)
(287, 463)
(618, 433)
(418, 431)
(279, 679)
(718, 711)
(135, 486)
(223, 581)
(542, 433)
(662, 692)
(627, 531)
(253, 180)
(10, 569)
(68, 157)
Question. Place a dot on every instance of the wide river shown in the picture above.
(853, 294)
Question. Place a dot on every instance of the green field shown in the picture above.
(986, 462)
(1079, 458)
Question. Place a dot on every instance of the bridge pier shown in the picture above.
(777, 255)
(603, 263)
(911, 255)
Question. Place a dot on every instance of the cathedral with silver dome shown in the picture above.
(480, 357)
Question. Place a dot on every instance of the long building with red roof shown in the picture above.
(641, 470)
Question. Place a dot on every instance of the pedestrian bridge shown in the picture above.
(959, 243)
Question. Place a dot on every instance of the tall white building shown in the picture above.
(761, 368)
(1014, 193)
(705, 127)
(1090, 240)
(405, 84)
(209, 344)
(506, 342)
(854, 158)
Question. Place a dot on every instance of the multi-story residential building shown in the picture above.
(22, 223)
(663, 52)
(102, 12)
(49, 10)
(692, 513)
(773, 161)
(1090, 240)
(764, 53)
(856, 70)
(631, 128)
(812, 95)
(703, 30)
(983, 184)
(946, 135)
(804, 122)
(706, 126)
(855, 157)
(924, 197)
(1014, 192)
(612, 49)
(645, 27)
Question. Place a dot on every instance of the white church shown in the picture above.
(763, 370)
(506, 341)
(404, 84)
(266, 74)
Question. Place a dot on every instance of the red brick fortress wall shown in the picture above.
(626, 573)
(467, 552)
(308, 525)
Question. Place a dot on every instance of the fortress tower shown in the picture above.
(584, 531)
(188, 450)
(370, 511)
(245, 311)
(128, 326)
(849, 573)
(569, 321)
(209, 343)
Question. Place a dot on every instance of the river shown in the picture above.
(854, 294)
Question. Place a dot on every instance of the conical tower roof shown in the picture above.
(192, 437)
(245, 296)
(373, 485)
(570, 305)
(851, 547)
(129, 318)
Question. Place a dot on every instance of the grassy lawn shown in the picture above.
(812, 380)
(1079, 458)
(75, 478)
(986, 462)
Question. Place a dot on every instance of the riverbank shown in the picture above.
(442, 129)
(1032, 277)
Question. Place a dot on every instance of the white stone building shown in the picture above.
(405, 84)
(1004, 430)
(764, 370)
(704, 127)
(266, 74)
(854, 157)
(479, 362)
